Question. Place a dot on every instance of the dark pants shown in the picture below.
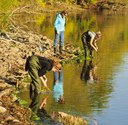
(86, 46)
(35, 85)
(35, 102)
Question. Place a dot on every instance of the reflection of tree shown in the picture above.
(98, 95)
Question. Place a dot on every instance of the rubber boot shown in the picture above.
(61, 49)
(55, 50)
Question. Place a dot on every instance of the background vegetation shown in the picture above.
(6, 6)
(10, 7)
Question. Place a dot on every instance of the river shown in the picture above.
(104, 101)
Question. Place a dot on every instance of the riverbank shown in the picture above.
(16, 46)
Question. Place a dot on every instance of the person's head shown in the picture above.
(56, 65)
(98, 35)
(61, 100)
(64, 13)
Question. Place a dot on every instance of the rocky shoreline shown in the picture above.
(17, 45)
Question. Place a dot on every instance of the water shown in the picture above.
(106, 100)
(116, 113)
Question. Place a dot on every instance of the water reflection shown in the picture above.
(37, 102)
(58, 93)
(88, 73)
(37, 105)
(39, 112)
(42, 113)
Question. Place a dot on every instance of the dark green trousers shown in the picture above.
(35, 85)
(35, 102)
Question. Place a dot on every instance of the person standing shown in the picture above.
(89, 40)
(59, 26)
(37, 67)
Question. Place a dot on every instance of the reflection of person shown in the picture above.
(59, 26)
(89, 40)
(89, 72)
(37, 67)
(58, 87)
(37, 105)
(41, 111)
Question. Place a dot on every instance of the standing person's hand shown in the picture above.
(58, 32)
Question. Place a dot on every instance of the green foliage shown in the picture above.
(3, 21)
(8, 5)
(80, 57)
(91, 1)
(41, 2)
(23, 102)
(26, 78)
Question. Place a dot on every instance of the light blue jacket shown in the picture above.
(59, 23)
(58, 90)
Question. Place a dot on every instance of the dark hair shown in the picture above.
(64, 12)
(61, 100)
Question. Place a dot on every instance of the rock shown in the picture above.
(4, 85)
(66, 119)
(2, 110)
(43, 38)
